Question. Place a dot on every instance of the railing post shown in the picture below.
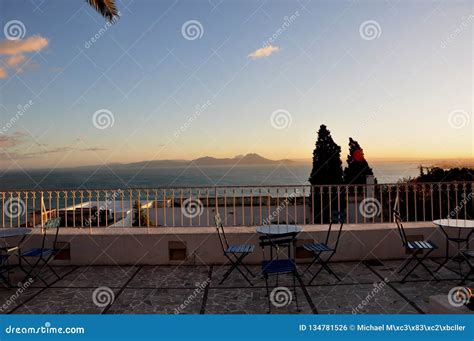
(73, 208)
(26, 208)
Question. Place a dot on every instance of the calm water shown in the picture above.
(203, 176)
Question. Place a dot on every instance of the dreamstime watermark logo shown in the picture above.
(378, 287)
(102, 31)
(14, 30)
(281, 297)
(200, 287)
(45, 329)
(103, 296)
(275, 213)
(459, 296)
(109, 201)
(103, 119)
(459, 207)
(18, 292)
(281, 119)
(21, 110)
(370, 207)
(192, 208)
(14, 207)
(370, 30)
(459, 119)
(192, 30)
(287, 21)
(454, 34)
(199, 110)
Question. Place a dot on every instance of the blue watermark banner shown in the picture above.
(237, 327)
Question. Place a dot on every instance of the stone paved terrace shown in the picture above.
(163, 289)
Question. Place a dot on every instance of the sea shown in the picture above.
(110, 178)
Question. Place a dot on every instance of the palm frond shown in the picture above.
(106, 8)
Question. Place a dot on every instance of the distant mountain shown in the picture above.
(240, 160)
(249, 159)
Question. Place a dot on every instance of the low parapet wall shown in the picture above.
(200, 245)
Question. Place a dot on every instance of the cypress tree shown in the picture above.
(327, 165)
(357, 168)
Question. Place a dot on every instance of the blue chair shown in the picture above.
(234, 253)
(319, 249)
(5, 253)
(274, 265)
(42, 254)
(4, 268)
(468, 257)
(415, 247)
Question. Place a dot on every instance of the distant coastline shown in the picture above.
(186, 174)
(251, 159)
(254, 159)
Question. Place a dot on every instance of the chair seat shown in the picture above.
(468, 253)
(244, 248)
(38, 252)
(421, 245)
(317, 247)
(278, 266)
(457, 240)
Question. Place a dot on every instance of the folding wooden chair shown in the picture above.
(319, 249)
(276, 265)
(468, 256)
(5, 253)
(234, 253)
(415, 247)
(42, 254)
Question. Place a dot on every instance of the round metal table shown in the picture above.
(5, 233)
(455, 223)
(14, 232)
(464, 227)
(274, 230)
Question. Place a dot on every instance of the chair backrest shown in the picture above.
(397, 218)
(221, 233)
(337, 217)
(275, 242)
(48, 225)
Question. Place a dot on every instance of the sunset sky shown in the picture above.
(394, 75)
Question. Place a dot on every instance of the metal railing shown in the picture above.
(238, 206)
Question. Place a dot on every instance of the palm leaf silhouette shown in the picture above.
(106, 8)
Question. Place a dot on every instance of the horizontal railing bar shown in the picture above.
(230, 186)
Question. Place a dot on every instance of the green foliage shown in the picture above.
(436, 174)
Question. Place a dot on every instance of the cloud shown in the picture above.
(10, 147)
(49, 151)
(15, 51)
(93, 149)
(15, 60)
(9, 141)
(14, 47)
(263, 52)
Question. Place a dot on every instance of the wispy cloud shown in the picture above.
(9, 147)
(15, 60)
(263, 52)
(49, 151)
(10, 141)
(15, 51)
(14, 47)
(93, 149)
